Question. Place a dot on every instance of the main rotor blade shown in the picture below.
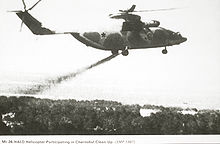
(34, 5)
(24, 4)
(156, 10)
(16, 11)
(153, 10)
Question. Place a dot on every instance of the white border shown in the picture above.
(110, 139)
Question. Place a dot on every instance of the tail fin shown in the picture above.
(33, 24)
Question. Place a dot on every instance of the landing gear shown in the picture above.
(125, 53)
(164, 51)
(114, 52)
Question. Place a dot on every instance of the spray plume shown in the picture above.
(36, 89)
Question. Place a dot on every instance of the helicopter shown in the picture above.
(134, 33)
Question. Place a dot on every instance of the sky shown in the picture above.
(189, 75)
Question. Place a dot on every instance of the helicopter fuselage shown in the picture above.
(146, 38)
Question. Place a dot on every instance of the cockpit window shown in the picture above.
(178, 34)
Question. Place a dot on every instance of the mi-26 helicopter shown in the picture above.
(134, 33)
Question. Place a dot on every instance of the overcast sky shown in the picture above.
(189, 73)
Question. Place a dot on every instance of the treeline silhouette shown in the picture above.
(29, 115)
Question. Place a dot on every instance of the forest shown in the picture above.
(34, 116)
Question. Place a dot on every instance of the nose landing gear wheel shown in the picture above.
(125, 53)
(164, 51)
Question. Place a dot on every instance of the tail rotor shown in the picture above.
(24, 12)
(21, 25)
(24, 5)
(33, 5)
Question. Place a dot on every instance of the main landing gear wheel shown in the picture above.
(125, 53)
(114, 52)
(164, 51)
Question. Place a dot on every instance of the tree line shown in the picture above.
(29, 115)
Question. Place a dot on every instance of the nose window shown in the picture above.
(175, 35)
(179, 34)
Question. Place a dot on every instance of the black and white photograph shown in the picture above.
(109, 68)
